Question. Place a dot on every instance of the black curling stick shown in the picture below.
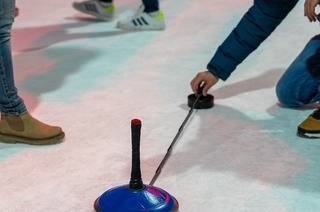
(167, 155)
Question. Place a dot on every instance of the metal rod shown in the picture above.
(164, 160)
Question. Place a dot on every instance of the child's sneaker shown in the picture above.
(143, 21)
(310, 128)
(95, 8)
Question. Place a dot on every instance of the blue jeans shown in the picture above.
(300, 83)
(150, 5)
(10, 102)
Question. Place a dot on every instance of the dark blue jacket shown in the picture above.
(254, 27)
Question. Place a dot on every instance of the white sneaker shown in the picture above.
(143, 21)
(96, 9)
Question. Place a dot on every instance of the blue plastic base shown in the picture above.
(150, 198)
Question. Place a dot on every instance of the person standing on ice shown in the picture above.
(298, 86)
(16, 124)
(148, 16)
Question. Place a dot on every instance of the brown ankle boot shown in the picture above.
(26, 129)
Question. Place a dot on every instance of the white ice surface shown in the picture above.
(92, 79)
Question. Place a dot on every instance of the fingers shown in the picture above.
(196, 82)
(309, 10)
(204, 79)
(205, 89)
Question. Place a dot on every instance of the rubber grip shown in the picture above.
(136, 180)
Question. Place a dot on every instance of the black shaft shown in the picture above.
(164, 160)
(136, 180)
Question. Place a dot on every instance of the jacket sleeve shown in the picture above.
(254, 27)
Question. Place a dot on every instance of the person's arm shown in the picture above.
(254, 27)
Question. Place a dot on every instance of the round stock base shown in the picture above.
(122, 198)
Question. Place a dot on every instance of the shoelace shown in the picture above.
(316, 113)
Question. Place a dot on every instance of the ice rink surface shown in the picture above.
(92, 79)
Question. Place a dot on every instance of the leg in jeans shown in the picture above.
(10, 102)
(300, 84)
(151, 5)
(16, 124)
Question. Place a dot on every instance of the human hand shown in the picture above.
(205, 80)
(309, 9)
